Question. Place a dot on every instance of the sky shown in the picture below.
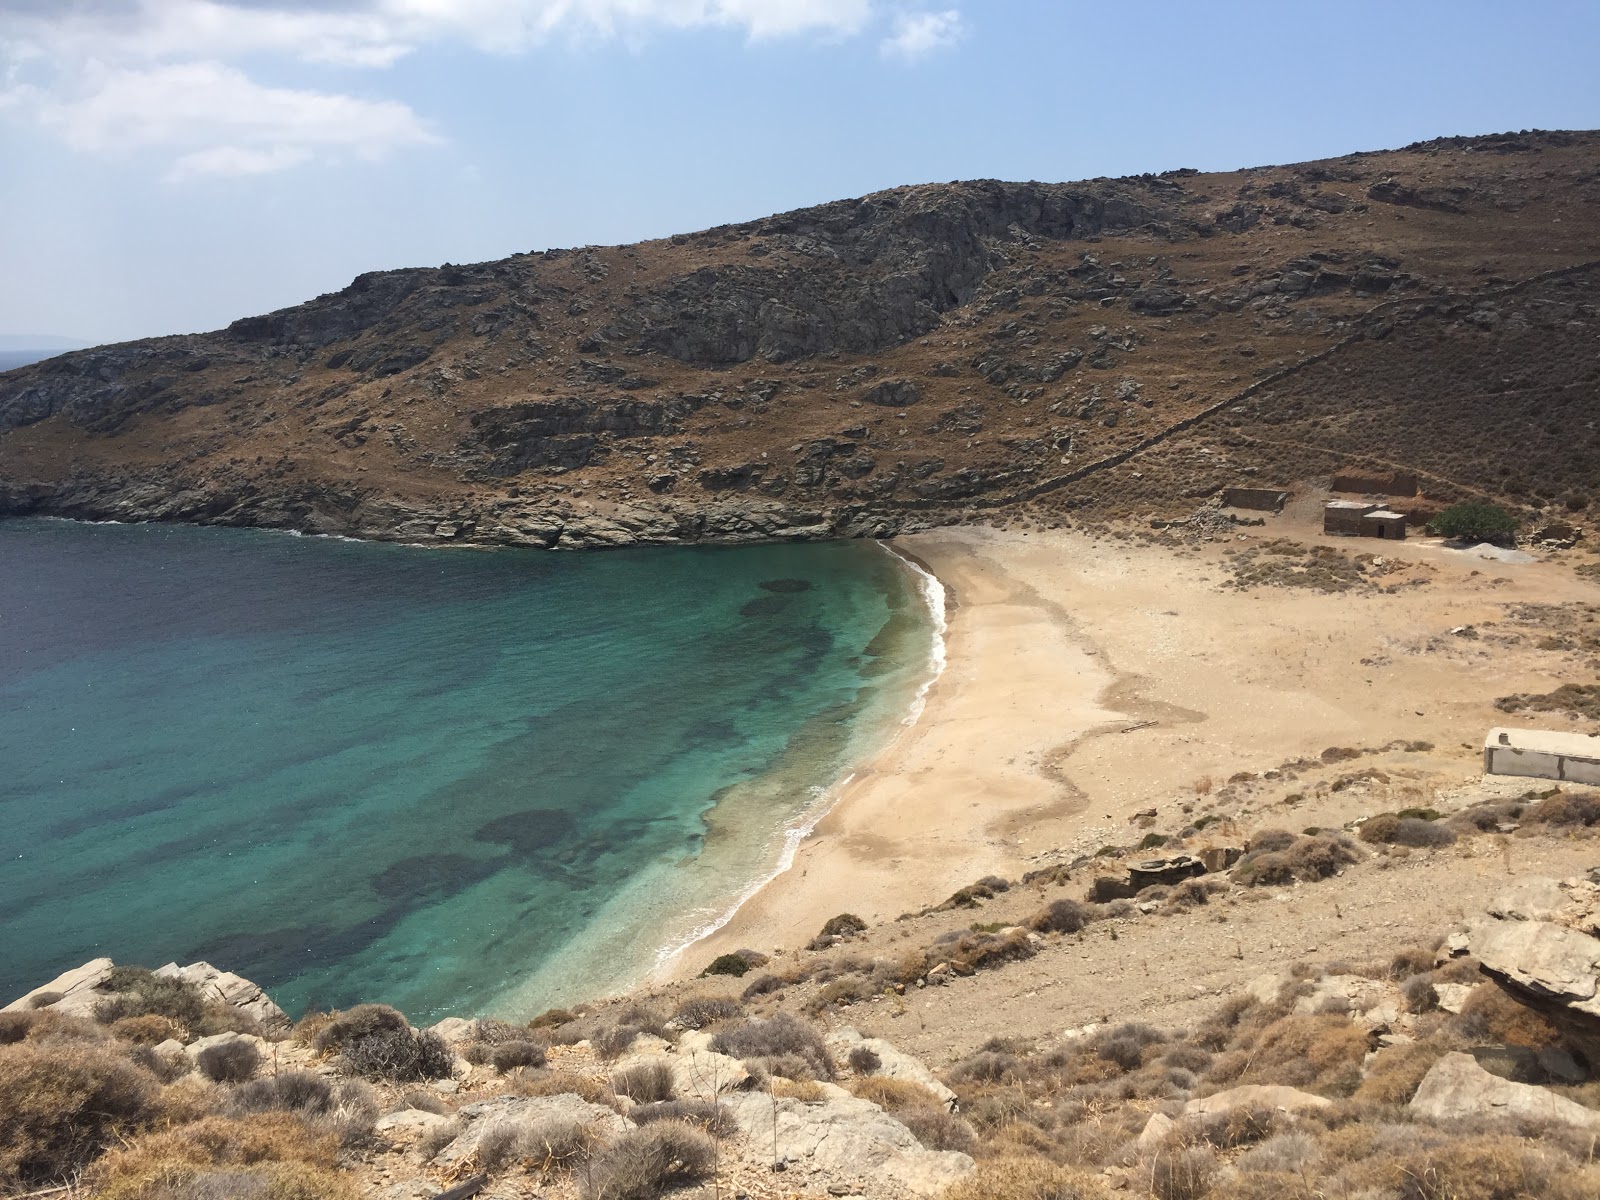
(169, 165)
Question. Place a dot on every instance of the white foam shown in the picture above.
(933, 596)
(826, 799)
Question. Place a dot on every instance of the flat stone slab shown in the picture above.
(1456, 1086)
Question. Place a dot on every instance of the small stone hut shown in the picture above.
(1361, 518)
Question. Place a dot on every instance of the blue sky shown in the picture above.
(173, 164)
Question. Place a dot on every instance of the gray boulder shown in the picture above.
(1457, 1087)
(842, 1136)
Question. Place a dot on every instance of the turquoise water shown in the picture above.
(454, 781)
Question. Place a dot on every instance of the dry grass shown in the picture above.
(643, 1163)
(1489, 1015)
(779, 1038)
(1396, 1071)
(1019, 1178)
(62, 1104)
(893, 1095)
(275, 1149)
(807, 1091)
(646, 1082)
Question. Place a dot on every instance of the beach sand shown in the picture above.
(1091, 678)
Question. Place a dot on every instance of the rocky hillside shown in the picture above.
(913, 357)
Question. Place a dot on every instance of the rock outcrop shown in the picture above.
(1540, 942)
(1457, 1088)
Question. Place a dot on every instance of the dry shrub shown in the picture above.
(1489, 1015)
(293, 1091)
(1419, 994)
(1242, 1126)
(707, 1114)
(1125, 1045)
(15, 1026)
(228, 1062)
(975, 950)
(863, 1060)
(399, 1055)
(625, 1029)
(555, 1143)
(268, 1181)
(1478, 1168)
(149, 1030)
(1270, 841)
(780, 1037)
(271, 1146)
(1027, 1178)
(1307, 859)
(840, 992)
(1283, 1153)
(431, 1141)
(563, 1083)
(1061, 916)
(1185, 1056)
(140, 993)
(807, 1091)
(987, 1066)
(424, 1100)
(1316, 1051)
(643, 1163)
(60, 1105)
(893, 1095)
(699, 1011)
(508, 1056)
(1183, 1173)
(938, 1129)
(646, 1082)
(1564, 809)
(763, 985)
(1395, 1072)
(333, 1031)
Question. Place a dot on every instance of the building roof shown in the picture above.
(1386, 515)
(1352, 505)
(1544, 741)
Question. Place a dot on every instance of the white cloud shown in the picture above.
(109, 76)
(917, 35)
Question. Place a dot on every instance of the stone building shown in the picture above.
(1361, 518)
(1542, 754)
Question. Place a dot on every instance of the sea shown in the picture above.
(462, 782)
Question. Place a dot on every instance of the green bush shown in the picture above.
(1475, 521)
(727, 964)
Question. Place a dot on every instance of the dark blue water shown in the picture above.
(449, 780)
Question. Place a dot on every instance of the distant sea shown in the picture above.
(454, 781)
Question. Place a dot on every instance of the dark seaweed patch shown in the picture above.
(764, 606)
(431, 875)
(530, 832)
(785, 586)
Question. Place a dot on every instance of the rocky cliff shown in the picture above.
(918, 356)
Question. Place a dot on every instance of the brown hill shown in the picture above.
(913, 357)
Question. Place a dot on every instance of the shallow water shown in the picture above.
(454, 781)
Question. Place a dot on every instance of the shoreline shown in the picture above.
(934, 595)
(885, 846)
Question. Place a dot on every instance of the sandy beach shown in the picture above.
(1093, 677)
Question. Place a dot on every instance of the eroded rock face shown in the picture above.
(1539, 943)
(233, 990)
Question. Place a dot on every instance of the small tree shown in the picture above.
(1475, 521)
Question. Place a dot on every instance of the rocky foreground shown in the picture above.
(1461, 1068)
(920, 356)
